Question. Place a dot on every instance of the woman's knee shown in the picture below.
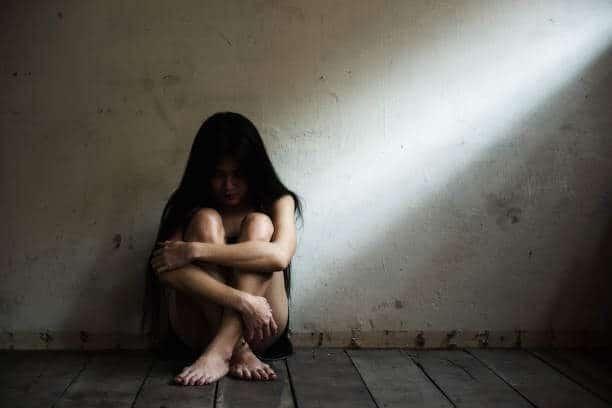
(205, 225)
(256, 226)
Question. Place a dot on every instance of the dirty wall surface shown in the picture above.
(454, 159)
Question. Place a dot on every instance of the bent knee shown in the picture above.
(257, 226)
(205, 225)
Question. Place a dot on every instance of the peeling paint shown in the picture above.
(419, 340)
(514, 215)
(355, 334)
(117, 241)
(518, 341)
(227, 40)
(483, 338)
(170, 79)
(46, 337)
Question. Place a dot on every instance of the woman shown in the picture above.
(223, 256)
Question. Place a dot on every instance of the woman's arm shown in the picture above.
(258, 256)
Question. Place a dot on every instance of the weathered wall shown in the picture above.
(454, 158)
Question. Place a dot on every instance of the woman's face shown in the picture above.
(228, 183)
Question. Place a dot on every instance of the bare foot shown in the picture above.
(208, 368)
(245, 365)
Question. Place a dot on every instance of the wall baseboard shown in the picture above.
(50, 340)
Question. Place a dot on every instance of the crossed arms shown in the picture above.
(257, 256)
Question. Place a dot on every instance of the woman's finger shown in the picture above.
(266, 330)
(260, 334)
(274, 326)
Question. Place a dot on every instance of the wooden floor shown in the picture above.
(315, 378)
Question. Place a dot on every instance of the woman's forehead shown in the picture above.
(227, 163)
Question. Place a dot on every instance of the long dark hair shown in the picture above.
(222, 134)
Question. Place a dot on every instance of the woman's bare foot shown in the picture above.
(245, 365)
(208, 368)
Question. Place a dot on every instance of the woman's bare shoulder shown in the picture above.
(285, 200)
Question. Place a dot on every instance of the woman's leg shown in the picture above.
(196, 319)
(198, 288)
(208, 368)
(244, 363)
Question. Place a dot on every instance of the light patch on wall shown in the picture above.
(478, 107)
(468, 98)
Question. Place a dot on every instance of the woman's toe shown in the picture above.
(183, 375)
(237, 371)
(262, 374)
(247, 374)
(191, 379)
(271, 373)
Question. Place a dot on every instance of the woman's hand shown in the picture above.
(171, 255)
(257, 317)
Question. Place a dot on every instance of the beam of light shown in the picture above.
(465, 101)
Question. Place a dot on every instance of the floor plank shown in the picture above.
(109, 380)
(602, 355)
(540, 383)
(327, 378)
(395, 381)
(159, 389)
(581, 368)
(466, 381)
(319, 377)
(235, 393)
(37, 378)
